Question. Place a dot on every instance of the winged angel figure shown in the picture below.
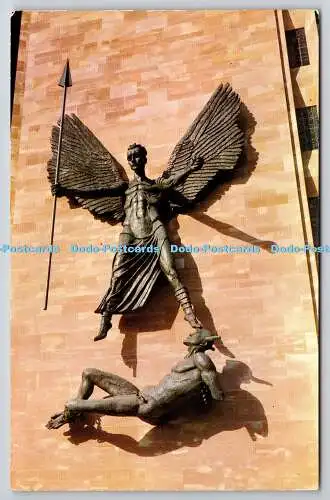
(93, 179)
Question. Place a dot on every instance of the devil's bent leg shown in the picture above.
(108, 382)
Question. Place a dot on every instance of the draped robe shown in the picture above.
(135, 273)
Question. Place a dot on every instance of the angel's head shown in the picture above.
(137, 157)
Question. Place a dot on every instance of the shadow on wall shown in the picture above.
(161, 309)
(239, 409)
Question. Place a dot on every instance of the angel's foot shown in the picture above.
(192, 319)
(190, 316)
(183, 298)
(104, 327)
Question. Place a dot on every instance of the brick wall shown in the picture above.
(143, 77)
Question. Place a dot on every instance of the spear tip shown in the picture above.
(66, 80)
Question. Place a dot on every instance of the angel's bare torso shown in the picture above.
(142, 199)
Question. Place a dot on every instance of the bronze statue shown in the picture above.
(92, 178)
(193, 381)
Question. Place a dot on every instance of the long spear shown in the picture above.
(64, 82)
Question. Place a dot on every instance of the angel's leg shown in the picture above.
(180, 292)
(105, 326)
(124, 239)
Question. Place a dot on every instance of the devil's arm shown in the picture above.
(209, 374)
(116, 189)
(184, 365)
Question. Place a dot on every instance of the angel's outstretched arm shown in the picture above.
(116, 189)
(163, 183)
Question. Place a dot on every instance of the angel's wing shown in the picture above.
(213, 136)
(86, 166)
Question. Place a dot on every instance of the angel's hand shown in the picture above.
(58, 190)
(196, 163)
